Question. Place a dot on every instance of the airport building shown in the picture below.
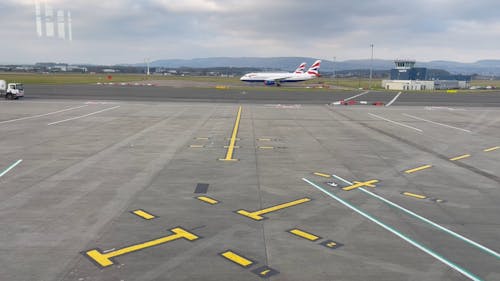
(408, 77)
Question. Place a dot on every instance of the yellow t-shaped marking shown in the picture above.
(105, 259)
(257, 214)
(357, 184)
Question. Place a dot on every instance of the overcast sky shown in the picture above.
(127, 31)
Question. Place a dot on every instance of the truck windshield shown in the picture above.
(20, 87)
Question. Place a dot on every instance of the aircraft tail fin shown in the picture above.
(301, 68)
(314, 69)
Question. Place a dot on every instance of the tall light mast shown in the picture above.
(371, 68)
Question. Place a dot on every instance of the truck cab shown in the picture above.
(11, 90)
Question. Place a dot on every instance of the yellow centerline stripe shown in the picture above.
(240, 260)
(230, 149)
(460, 157)
(303, 234)
(322, 175)
(207, 199)
(418, 169)
(414, 195)
(491, 149)
(143, 214)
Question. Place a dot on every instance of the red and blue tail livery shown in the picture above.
(301, 68)
(314, 69)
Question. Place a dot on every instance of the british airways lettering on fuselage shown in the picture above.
(269, 78)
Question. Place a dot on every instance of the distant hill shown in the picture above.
(483, 67)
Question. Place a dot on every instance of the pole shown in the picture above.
(146, 62)
(334, 70)
(371, 68)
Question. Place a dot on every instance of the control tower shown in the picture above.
(404, 64)
(408, 77)
(406, 70)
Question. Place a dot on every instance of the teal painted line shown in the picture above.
(440, 227)
(11, 167)
(454, 266)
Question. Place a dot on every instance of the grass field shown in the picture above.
(36, 78)
(354, 83)
(67, 78)
(484, 83)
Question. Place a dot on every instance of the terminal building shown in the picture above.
(408, 77)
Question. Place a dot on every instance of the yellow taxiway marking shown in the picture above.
(414, 195)
(266, 147)
(491, 149)
(240, 260)
(265, 272)
(143, 214)
(196, 146)
(207, 199)
(105, 259)
(257, 214)
(357, 184)
(227, 146)
(322, 175)
(230, 149)
(460, 157)
(303, 234)
(418, 169)
(329, 244)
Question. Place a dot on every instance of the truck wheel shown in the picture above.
(9, 96)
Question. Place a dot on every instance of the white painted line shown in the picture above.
(394, 99)
(363, 93)
(397, 233)
(11, 167)
(394, 122)
(437, 123)
(452, 233)
(107, 251)
(77, 117)
(41, 115)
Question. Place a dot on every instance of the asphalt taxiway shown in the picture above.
(254, 95)
(98, 186)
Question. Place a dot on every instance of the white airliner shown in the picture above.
(284, 77)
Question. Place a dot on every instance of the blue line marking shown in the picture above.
(397, 233)
(11, 167)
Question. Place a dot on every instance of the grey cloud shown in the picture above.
(118, 31)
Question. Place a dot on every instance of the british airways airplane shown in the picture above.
(277, 78)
